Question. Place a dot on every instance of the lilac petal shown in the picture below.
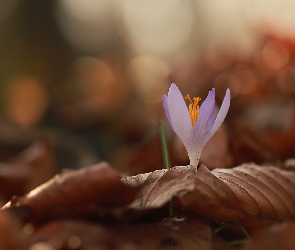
(221, 115)
(205, 121)
(179, 115)
(166, 109)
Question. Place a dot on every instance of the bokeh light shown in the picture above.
(26, 101)
(88, 25)
(93, 90)
(151, 77)
(275, 55)
(160, 27)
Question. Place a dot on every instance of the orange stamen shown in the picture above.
(193, 108)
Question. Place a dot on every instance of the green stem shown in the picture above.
(166, 160)
(164, 144)
(231, 223)
(231, 243)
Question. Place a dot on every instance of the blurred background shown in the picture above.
(82, 81)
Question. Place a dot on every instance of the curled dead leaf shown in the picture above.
(159, 186)
(90, 191)
(28, 169)
(251, 195)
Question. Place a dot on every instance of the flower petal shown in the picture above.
(166, 109)
(179, 115)
(205, 121)
(221, 115)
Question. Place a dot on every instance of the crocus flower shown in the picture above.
(194, 126)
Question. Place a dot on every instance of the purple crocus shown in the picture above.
(194, 126)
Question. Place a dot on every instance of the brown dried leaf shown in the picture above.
(30, 168)
(253, 196)
(276, 237)
(14, 139)
(88, 191)
(159, 186)
(185, 231)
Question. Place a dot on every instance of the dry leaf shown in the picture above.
(90, 191)
(14, 139)
(27, 170)
(251, 195)
(277, 237)
(159, 186)
(185, 231)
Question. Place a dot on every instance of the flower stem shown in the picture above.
(165, 151)
(166, 160)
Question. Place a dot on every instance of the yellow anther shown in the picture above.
(193, 108)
